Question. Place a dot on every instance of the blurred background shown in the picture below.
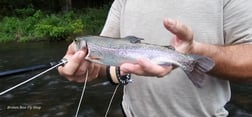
(37, 32)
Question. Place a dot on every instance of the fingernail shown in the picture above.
(80, 54)
(169, 22)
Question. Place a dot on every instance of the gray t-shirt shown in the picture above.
(220, 22)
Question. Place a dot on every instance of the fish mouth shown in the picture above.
(82, 45)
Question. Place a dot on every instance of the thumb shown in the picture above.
(181, 31)
(73, 63)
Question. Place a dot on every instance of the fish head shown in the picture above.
(80, 44)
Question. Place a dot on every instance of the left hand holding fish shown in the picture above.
(76, 67)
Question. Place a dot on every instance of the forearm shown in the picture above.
(232, 62)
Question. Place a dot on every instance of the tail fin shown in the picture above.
(200, 66)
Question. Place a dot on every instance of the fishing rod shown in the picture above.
(61, 62)
(27, 69)
(51, 66)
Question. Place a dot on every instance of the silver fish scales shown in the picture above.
(116, 51)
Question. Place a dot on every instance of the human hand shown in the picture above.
(182, 41)
(76, 67)
(145, 67)
(183, 36)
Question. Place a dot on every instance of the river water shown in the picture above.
(49, 95)
(52, 95)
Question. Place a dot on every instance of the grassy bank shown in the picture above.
(35, 25)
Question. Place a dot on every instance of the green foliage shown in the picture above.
(35, 25)
(10, 29)
(25, 12)
(94, 19)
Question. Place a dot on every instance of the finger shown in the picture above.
(80, 78)
(130, 68)
(73, 64)
(94, 72)
(82, 69)
(177, 28)
(154, 69)
(90, 70)
(144, 67)
(70, 50)
(75, 78)
(174, 41)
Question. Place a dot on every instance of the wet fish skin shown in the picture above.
(116, 51)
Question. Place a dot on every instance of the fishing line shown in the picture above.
(82, 94)
(111, 100)
(62, 62)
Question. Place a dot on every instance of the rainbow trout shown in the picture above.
(115, 51)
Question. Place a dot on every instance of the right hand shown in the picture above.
(76, 67)
(183, 36)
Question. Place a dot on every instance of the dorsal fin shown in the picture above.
(133, 39)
